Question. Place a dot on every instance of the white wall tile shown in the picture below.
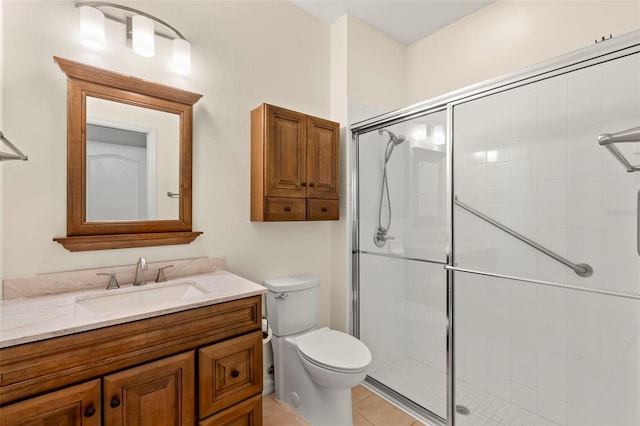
(585, 383)
(585, 190)
(584, 241)
(552, 408)
(587, 215)
(552, 167)
(523, 396)
(523, 192)
(619, 189)
(523, 170)
(585, 164)
(552, 191)
(552, 215)
(584, 138)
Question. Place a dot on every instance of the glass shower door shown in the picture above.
(402, 245)
(538, 342)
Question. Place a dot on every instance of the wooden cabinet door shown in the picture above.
(285, 153)
(158, 393)
(77, 405)
(323, 163)
(229, 372)
(246, 413)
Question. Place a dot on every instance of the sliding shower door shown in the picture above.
(547, 316)
(402, 240)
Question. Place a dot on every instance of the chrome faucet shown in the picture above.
(140, 268)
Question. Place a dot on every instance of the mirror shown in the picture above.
(128, 161)
(132, 162)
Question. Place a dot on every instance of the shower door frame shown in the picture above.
(611, 49)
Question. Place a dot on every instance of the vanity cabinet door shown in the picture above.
(77, 405)
(229, 372)
(157, 393)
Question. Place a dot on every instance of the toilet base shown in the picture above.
(318, 405)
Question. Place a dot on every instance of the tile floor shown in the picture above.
(368, 410)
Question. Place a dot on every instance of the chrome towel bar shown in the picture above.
(609, 139)
(581, 269)
(17, 154)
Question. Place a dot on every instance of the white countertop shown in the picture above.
(31, 319)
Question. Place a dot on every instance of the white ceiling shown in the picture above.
(405, 21)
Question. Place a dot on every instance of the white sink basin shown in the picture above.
(139, 298)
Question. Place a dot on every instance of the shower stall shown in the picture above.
(496, 246)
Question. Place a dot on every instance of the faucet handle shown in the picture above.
(161, 277)
(113, 282)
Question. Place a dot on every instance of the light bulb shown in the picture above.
(142, 37)
(92, 27)
(181, 56)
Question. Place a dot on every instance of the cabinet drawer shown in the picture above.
(284, 209)
(323, 209)
(77, 405)
(247, 412)
(229, 372)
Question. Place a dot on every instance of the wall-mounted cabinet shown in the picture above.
(295, 166)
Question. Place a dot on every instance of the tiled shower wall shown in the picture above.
(529, 158)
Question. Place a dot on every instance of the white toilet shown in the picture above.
(315, 369)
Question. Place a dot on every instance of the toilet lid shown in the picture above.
(334, 349)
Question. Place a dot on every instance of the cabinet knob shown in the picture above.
(287, 209)
(324, 209)
(90, 411)
(235, 373)
(115, 402)
(303, 184)
(312, 184)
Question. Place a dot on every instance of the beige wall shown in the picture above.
(1, 128)
(509, 35)
(244, 53)
(376, 68)
(340, 258)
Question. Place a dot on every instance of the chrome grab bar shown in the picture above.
(608, 140)
(581, 269)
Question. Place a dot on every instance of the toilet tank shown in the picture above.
(292, 303)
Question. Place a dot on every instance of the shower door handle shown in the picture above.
(638, 224)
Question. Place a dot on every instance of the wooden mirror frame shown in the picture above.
(83, 81)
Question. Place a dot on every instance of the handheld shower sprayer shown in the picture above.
(380, 236)
(397, 140)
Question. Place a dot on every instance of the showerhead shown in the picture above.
(397, 140)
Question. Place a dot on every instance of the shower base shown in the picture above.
(426, 386)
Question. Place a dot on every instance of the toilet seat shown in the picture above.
(334, 350)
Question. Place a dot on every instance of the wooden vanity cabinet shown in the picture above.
(175, 369)
(295, 166)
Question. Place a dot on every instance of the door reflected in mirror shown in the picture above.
(132, 162)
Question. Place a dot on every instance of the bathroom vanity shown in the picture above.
(197, 360)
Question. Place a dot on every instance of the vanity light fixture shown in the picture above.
(141, 30)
